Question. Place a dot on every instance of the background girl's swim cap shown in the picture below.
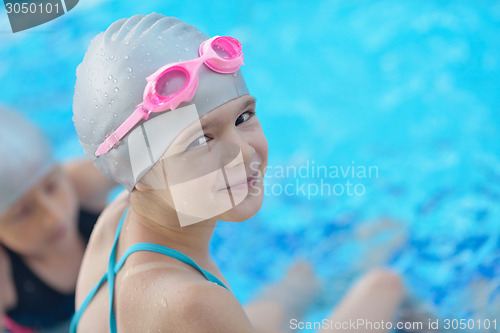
(25, 157)
(112, 77)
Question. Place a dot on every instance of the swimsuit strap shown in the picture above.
(114, 268)
(106, 277)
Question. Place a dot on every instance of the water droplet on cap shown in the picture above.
(106, 94)
(129, 69)
(110, 77)
(186, 49)
(126, 57)
(127, 42)
(116, 89)
(115, 80)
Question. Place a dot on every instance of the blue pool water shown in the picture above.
(410, 89)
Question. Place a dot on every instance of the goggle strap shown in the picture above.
(114, 138)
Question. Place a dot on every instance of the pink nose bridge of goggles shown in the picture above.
(221, 54)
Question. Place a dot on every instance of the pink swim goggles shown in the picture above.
(162, 93)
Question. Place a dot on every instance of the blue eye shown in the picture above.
(200, 141)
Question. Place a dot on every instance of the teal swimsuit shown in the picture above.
(114, 268)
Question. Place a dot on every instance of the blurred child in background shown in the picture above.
(47, 213)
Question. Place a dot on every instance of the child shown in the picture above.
(47, 212)
(164, 110)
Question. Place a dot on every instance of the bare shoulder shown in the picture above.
(169, 300)
(207, 307)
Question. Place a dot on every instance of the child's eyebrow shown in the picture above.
(250, 102)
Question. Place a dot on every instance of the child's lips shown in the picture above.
(245, 184)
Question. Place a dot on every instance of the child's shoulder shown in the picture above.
(166, 296)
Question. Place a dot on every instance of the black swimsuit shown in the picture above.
(38, 305)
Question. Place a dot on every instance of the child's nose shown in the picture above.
(51, 211)
(242, 144)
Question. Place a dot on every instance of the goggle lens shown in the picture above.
(171, 82)
(227, 47)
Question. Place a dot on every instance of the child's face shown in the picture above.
(215, 168)
(42, 219)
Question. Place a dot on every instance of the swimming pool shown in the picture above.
(407, 90)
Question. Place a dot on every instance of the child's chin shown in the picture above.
(244, 210)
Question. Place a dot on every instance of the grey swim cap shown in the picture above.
(111, 81)
(25, 157)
